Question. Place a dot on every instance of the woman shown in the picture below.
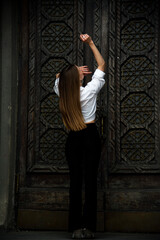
(83, 147)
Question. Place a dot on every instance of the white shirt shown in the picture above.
(88, 95)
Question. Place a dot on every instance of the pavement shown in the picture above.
(53, 235)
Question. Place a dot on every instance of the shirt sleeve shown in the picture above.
(97, 82)
(56, 89)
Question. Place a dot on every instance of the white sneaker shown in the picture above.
(77, 234)
(87, 234)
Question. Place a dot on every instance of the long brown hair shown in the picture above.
(69, 102)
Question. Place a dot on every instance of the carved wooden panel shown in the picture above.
(97, 20)
(53, 39)
(54, 29)
(133, 86)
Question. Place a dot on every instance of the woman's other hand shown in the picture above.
(85, 70)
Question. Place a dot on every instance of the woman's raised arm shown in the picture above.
(99, 59)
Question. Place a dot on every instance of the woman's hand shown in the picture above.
(86, 38)
(85, 70)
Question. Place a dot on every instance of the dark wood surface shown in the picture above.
(127, 108)
(64, 235)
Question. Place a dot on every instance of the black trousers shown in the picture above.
(83, 149)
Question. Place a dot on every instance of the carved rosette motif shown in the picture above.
(54, 27)
(137, 35)
(143, 142)
(137, 109)
(137, 73)
(133, 117)
(57, 38)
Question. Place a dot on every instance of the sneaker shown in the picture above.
(87, 234)
(77, 234)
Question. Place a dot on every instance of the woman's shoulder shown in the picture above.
(94, 86)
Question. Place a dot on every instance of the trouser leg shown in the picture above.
(91, 170)
(73, 156)
(75, 205)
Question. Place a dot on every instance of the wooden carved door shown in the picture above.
(50, 40)
(127, 34)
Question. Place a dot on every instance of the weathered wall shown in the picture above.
(8, 110)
